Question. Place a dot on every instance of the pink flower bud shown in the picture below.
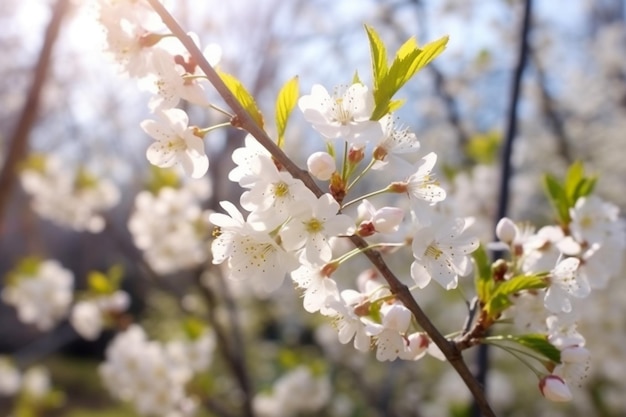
(321, 165)
(555, 389)
(416, 347)
(506, 230)
(387, 219)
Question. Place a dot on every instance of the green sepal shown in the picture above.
(483, 279)
(285, 103)
(243, 96)
(500, 297)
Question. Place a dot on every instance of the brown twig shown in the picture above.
(247, 123)
(18, 143)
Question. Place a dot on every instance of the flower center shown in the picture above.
(433, 251)
(342, 115)
(281, 189)
(314, 226)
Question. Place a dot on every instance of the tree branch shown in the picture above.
(449, 349)
(506, 168)
(19, 140)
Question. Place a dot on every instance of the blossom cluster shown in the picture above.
(153, 375)
(41, 291)
(73, 200)
(174, 212)
(581, 256)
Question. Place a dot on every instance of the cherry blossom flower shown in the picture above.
(565, 282)
(88, 316)
(174, 83)
(348, 323)
(317, 288)
(295, 393)
(177, 214)
(593, 219)
(421, 187)
(252, 255)
(176, 143)
(389, 335)
(67, 198)
(147, 373)
(41, 292)
(275, 196)
(311, 229)
(383, 220)
(345, 115)
(247, 158)
(441, 252)
(392, 143)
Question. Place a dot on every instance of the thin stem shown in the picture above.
(363, 197)
(245, 121)
(517, 353)
(211, 128)
(361, 175)
(221, 110)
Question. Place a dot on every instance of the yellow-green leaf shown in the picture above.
(484, 281)
(243, 96)
(99, 283)
(379, 56)
(285, 103)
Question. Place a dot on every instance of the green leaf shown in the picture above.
(243, 96)
(585, 188)
(557, 197)
(285, 103)
(500, 297)
(484, 281)
(484, 147)
(379, 56)
(99, 283)
(538, 343)
(193, 327)
(575, 174)
(409, 59)
(356, 79)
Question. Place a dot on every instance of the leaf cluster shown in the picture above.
(390, 77)
(563, 195)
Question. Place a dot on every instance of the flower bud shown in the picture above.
(388, 219)
(417, 344)
(506, 230)
(555, 389)
(321, 165)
